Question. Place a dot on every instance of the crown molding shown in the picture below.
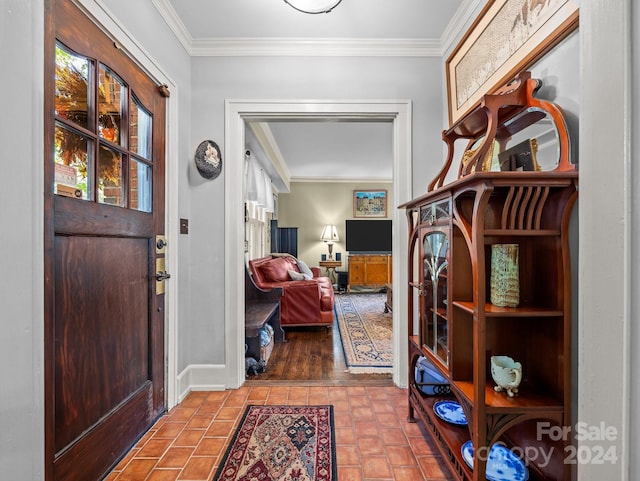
(315, 47)
(459, 24)
(170, 16)
(319, 47)
(335, 180)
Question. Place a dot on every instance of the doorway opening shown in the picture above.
(237, 114)
(315, 167)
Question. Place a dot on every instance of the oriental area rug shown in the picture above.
(366, 332)
(282, 443)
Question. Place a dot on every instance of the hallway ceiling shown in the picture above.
(354, 19)
(319, 150)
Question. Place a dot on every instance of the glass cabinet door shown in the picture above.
(434, 315)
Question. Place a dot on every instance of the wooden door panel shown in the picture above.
(87, 218)
(105, 443)
(101, 329)
(104, 321)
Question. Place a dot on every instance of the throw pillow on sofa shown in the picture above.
(277, 270)
(296, 276)
(304, 268)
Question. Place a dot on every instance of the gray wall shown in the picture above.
(21, 247)
(634, 338)
(247, 78)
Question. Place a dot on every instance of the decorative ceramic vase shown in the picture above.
(506, 373)
(505, 281)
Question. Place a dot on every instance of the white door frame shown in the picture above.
(237, 113)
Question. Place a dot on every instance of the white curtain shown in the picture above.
(268, 193)
(259, 201)
(255, 180)
(259, 188)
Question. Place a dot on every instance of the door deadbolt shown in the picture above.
(161, 243)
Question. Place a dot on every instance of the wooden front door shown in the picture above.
(104, 208)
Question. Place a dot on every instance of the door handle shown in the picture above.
(162, 276)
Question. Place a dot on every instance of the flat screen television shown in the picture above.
(368, 236)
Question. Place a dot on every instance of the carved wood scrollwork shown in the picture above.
(497, 424)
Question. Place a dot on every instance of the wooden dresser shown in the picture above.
(369, 270)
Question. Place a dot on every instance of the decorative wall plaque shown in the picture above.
(208, 159)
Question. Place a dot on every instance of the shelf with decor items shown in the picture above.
(471, 318)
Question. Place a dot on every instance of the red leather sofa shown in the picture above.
(307, 302)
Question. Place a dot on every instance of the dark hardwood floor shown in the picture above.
(313, 355)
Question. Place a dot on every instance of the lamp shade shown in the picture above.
(329, 233)
(313, 6)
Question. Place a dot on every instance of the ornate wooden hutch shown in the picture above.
(514, 184)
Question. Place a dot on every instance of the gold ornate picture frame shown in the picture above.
(506, 38)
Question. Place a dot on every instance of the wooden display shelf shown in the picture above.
(521, 233)
(526, 435)
(478, 209)
(495, 311)
(441, 312)
(449, 437)
(527, 399)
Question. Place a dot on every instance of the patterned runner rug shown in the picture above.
(366, 332)
(282, 443)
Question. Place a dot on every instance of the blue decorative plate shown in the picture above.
(451, 412)
(502, 464)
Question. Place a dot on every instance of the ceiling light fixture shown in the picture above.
(313, 6)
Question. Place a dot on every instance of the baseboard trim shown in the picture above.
(201, 377)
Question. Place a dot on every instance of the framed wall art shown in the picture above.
(507, 37)
(370, 203)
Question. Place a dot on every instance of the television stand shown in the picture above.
(369, 270)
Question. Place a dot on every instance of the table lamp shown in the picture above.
(330, 235)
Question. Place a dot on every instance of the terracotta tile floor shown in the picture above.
(373, 438)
